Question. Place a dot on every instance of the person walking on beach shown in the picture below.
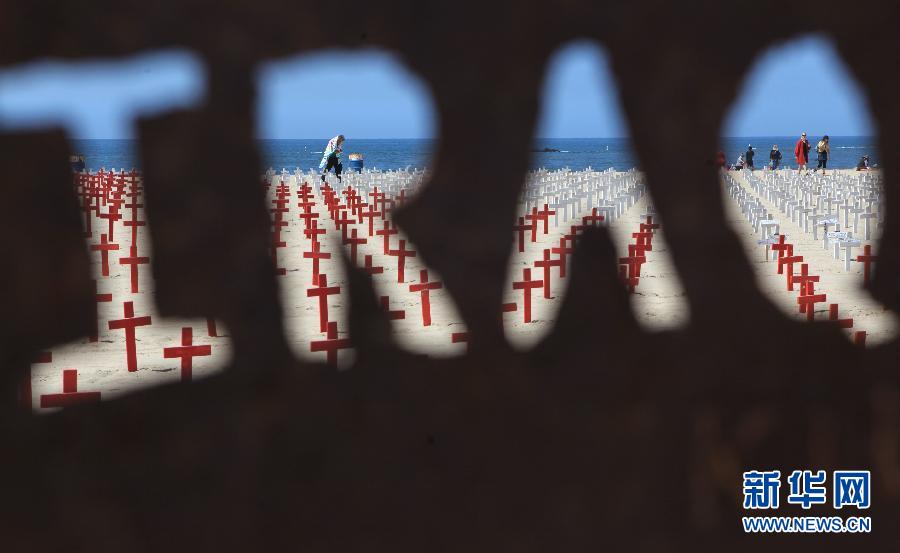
(774, 157)
(823, 150)
(331, 157)
(748, 157)
(801, 153)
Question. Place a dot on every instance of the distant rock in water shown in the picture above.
(546, 150)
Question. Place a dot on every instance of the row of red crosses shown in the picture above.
(106, 198)
(345, 209)
(806, 284)
(630, 266)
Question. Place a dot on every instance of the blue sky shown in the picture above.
(801, 85)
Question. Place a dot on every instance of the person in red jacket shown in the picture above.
(801, 152)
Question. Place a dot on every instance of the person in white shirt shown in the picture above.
(331, 157)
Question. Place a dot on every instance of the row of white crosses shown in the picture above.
(831, 204)
(569, 193)
(572, 193)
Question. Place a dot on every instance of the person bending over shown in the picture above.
(331, 157)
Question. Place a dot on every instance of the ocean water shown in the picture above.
(574, 153)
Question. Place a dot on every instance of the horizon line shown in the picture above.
(535, 138)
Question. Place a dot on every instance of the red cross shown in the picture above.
(280, 271)
(562, 251)
(424, 288)
(322, 292)
(544, 215)
(276, 233)
(803, 279)
(386, 233)
(834, 317)
(781, 248)
(331, 345)
(370, 269)
(631, 264)
(391, 315)
(186, 352)
(859, 338)
(305, 192)
(134, 227)
(573, 233)
(527, 285)
(401, 254)
(546, 263)
(70, 394)
(809, 300)
(279, 211)
(789, 261)
(133, 261)
(316, 255)
(636, 250)
(521, 228)
(134, 206)
(370, 215)
(104, 247)
(644, 240)
(358, 206)
(507, 308)
(354, 242)
(99, 298)
(129, 324)
(649, 225)
(342, 223)
(112, 216)
(334, 207)
(377, 197)
(534, 218)
(387, 206)
(867, 258)
(593, 219)
(314, 231)
(307, 214)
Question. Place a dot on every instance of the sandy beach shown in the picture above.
(658, 300)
